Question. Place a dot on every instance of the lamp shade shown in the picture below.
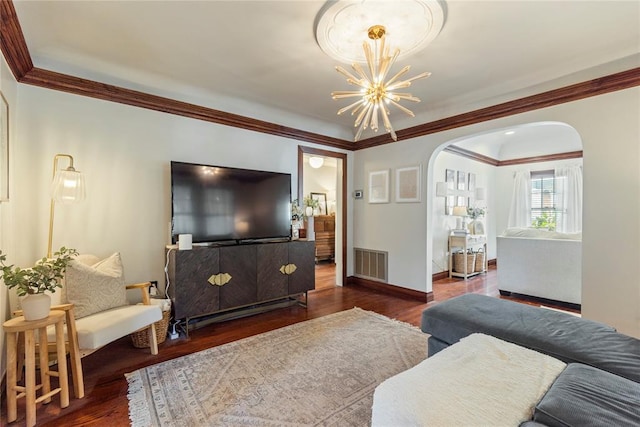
(68, 186)
(459, 211)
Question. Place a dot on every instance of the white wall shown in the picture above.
(504, 185)
(610, 131)
(8, 87)
(125, 153)
(443, 224)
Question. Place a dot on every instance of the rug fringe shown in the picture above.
(139, 412)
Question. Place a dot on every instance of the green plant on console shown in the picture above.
(44, 276)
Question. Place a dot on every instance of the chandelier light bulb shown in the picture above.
(375, 94)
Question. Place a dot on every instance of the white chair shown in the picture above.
(99, 322)
(94, 299)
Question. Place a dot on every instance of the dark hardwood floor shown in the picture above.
(106, 402)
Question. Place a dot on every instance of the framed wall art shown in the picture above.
(379, 186)
(322, 202)
(408, 184)
(450, 179)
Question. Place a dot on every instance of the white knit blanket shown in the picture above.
(480, 381)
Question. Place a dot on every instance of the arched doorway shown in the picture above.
(492, 158)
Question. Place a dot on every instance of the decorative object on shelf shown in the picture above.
(4, 149)
(345, 28)
(67, 187)
(408, 184)
(32, 283)
(475, 226)
(297, 220)
(379, 186)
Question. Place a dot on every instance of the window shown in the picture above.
(545, 212)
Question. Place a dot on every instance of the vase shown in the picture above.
(310, 226)
(36, 306)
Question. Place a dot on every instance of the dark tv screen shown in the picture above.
(214, 203)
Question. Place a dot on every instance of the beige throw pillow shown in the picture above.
(95, 288)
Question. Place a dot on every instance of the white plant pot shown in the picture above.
(36, 306)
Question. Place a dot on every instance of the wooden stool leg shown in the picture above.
(12, 354)
(30, 376)
(20, 340)
(45, 378)
(74, 356)
(62, 365)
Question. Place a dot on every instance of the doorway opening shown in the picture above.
(322, 181)
(492, 160)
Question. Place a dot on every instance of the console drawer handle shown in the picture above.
(288, 269)
(220, 279)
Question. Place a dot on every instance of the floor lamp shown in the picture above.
(67, 187)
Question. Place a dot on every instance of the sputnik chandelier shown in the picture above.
(376, 93)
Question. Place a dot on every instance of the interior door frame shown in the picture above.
(302, 150)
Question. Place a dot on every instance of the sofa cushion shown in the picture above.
(95, 288)
(583, 396)
(107, 326)
(566, 337)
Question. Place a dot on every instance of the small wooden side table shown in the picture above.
(18, 325)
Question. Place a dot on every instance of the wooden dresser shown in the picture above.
(325, 230)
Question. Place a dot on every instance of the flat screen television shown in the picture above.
(223, 204)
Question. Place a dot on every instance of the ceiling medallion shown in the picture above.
(345, 32)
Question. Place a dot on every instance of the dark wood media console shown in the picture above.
(209, 280)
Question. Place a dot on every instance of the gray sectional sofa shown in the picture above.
(601, 382)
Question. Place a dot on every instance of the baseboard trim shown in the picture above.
(440, 276)
(390, 289)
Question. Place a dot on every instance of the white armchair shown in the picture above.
(102, 312)
(94, 299)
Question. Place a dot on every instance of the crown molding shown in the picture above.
(611, 83)
(537, 159)
(16, 53)
(12, 42)
(471, 155)
(75, 85)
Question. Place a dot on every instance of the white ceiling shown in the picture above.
(260, 58)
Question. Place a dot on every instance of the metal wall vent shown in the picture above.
(370, 264)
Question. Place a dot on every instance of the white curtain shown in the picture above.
(520, 211)
(569, 198)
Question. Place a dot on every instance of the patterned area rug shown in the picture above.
(321, 372)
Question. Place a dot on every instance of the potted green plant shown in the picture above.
(32, 283)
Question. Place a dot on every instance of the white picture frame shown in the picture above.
(408, 184)
(379, 186)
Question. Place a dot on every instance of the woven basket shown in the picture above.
(140, 338)
(479, 263)
(459, 260)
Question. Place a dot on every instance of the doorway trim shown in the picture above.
(302, 150)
